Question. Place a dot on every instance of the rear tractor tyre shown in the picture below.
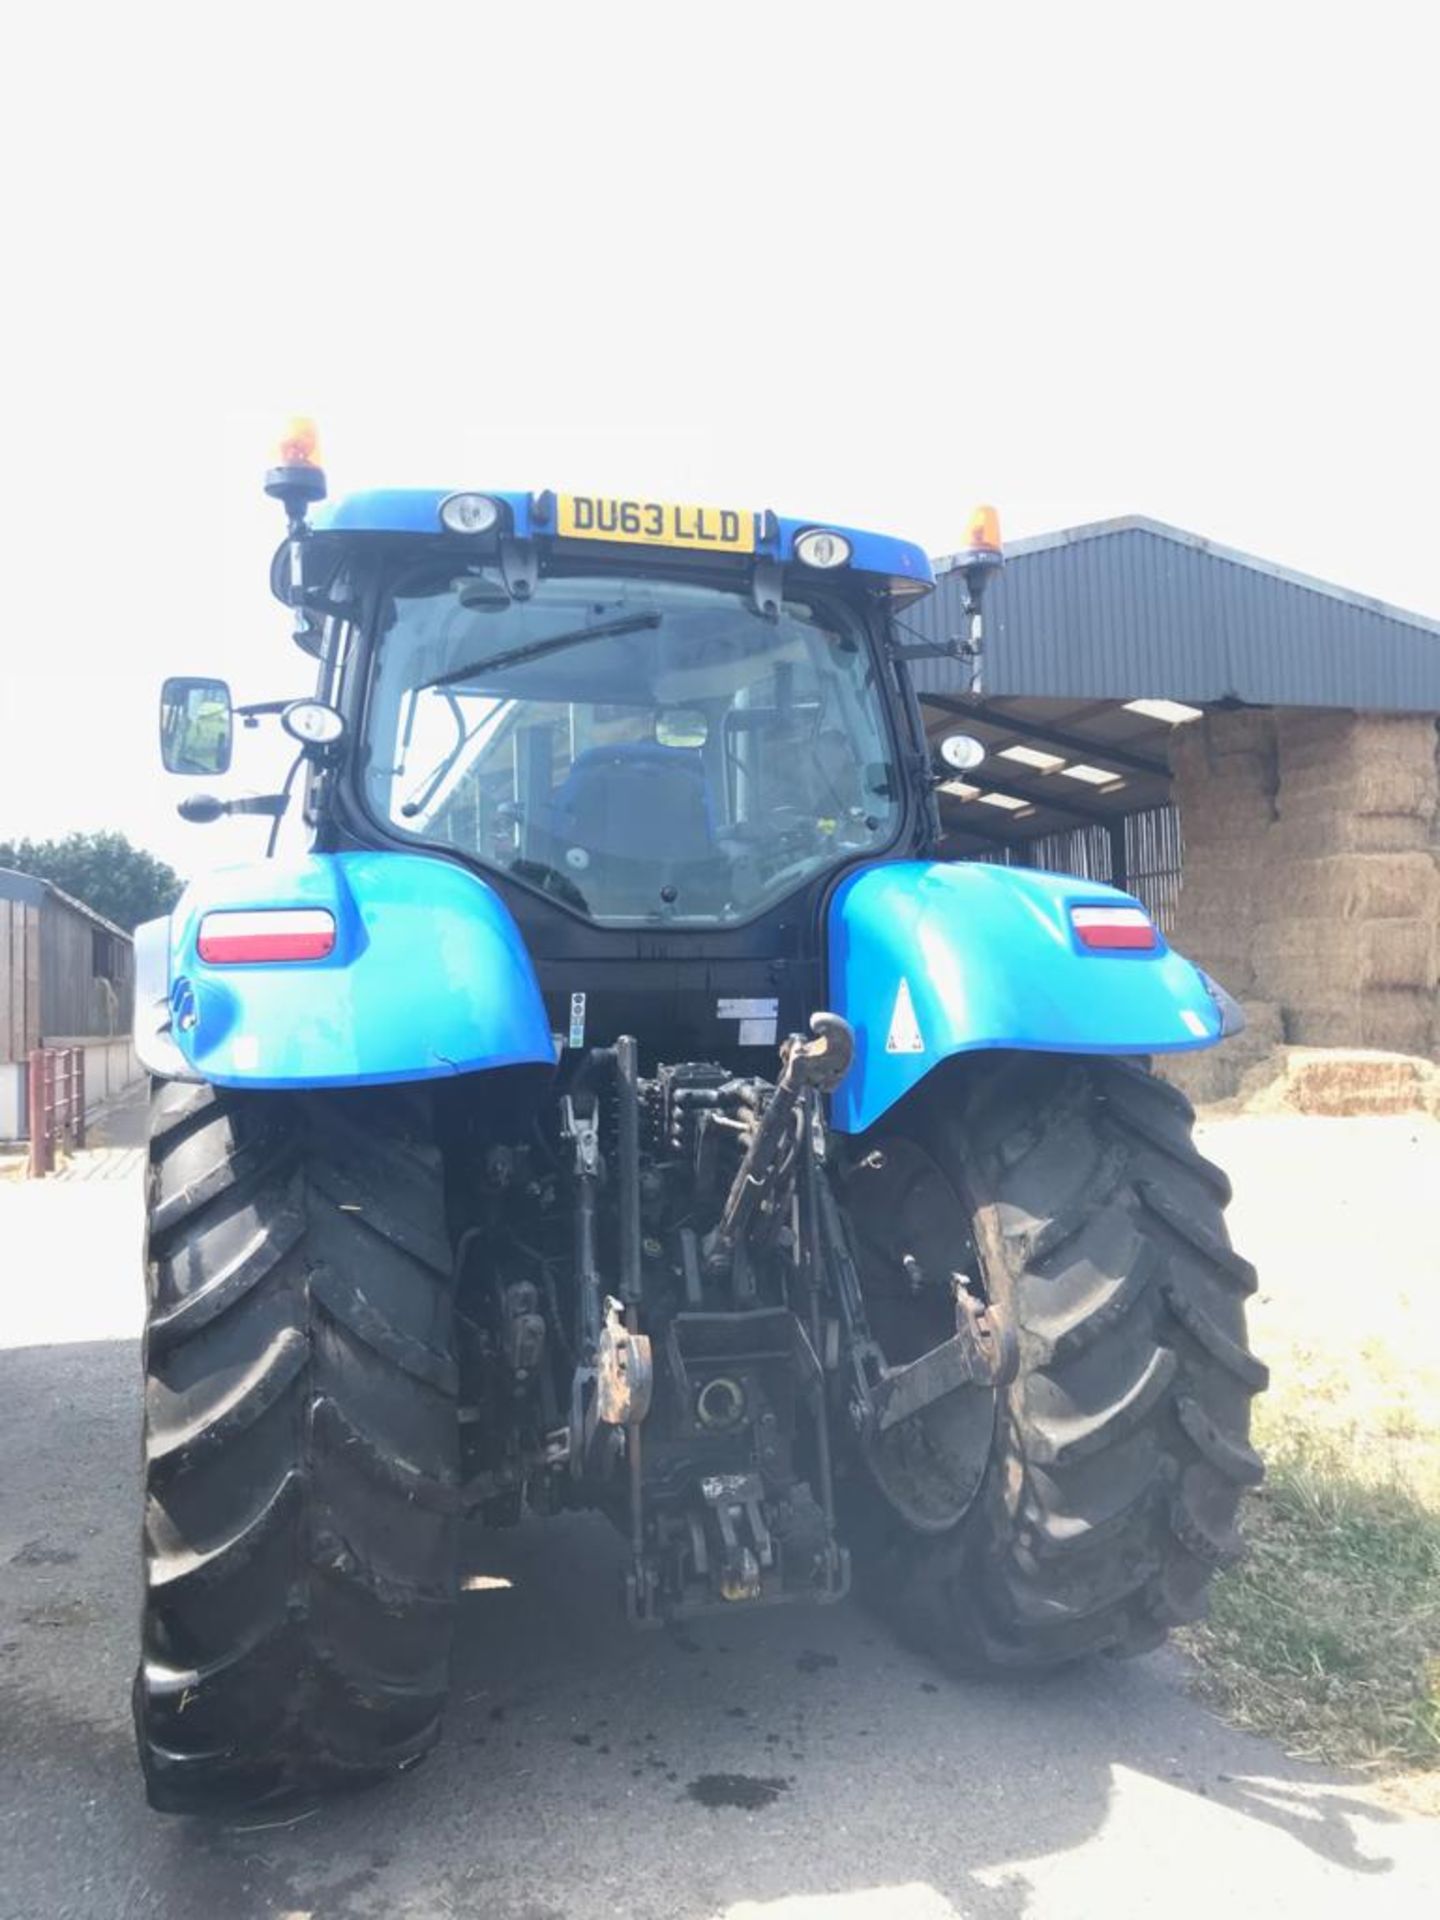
(300, 1444)
(1118, 1456)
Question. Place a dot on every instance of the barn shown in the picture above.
(67, 978)
(1251, 751)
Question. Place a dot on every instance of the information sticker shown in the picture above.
(758, 1020)
(747, 1010)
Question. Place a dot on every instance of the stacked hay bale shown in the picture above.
(1226, 772)
(1349, 941)
(1311, 884)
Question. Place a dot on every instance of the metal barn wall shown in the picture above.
(1123, 611)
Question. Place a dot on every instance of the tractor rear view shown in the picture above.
(608, 1100)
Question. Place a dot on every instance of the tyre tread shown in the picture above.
(1135, 1376)
(300, 1582)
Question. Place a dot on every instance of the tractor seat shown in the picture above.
(638, 801)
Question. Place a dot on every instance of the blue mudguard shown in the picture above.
(428, 977)
(929, 961)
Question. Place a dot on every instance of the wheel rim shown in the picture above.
(899, 1201)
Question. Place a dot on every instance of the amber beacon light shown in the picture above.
(298, 445)
(977, 564)
(297, 478)
(982, 532)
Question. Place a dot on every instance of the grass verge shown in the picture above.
(1327, 1636)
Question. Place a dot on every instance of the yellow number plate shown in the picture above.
(655, 523)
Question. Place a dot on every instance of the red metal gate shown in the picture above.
(57, 1105)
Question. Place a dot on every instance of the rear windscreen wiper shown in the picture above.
(630, 623)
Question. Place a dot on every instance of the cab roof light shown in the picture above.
(819, 547)
(267, 934)
(1114, 929)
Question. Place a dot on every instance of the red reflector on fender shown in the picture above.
(274, 933)
(1114, 929)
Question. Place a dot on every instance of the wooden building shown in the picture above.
(67, 977)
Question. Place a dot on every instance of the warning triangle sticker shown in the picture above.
(904, 1035)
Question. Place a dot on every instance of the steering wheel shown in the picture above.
(778, 825)
(550, 880)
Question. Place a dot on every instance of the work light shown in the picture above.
(819, 548)
(312, 722)
(469, 513)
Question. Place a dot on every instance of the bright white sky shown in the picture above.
(862, 262)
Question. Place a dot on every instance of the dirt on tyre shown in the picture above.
(1102, 1485)
(300, 1444)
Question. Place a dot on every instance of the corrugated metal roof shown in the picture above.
(1130, 609)
(25, 886)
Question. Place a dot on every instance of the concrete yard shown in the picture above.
(566, 1786)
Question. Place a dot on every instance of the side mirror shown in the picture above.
(961, 752)
(196, 726)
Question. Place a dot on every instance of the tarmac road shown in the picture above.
(570, 1782)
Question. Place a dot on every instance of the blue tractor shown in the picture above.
(604, 1097)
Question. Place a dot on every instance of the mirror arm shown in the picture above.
(929, 650)
(201, 808)
(251, 713)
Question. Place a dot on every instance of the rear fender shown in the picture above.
(928, 961)
(428, 977)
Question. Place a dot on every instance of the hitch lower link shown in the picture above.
(983, 1352)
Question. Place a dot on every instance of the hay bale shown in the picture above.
(1402, 1021)
(1217, 1073)
(1374, 788)
(1311, 873)
(1213, 891)
(1205, 1078)
(1363, 763)
(1357, 886)
(1343, 1081)
(1304, 734)
(1399, 953)
(1322, 1023)
(1310, 836)
(1382, 786)
(1215, 934)
(1407, 737)
(1212, 816)
(1305, 961)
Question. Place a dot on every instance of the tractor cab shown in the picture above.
(645, 750)
(662, 734)
(656, 716)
